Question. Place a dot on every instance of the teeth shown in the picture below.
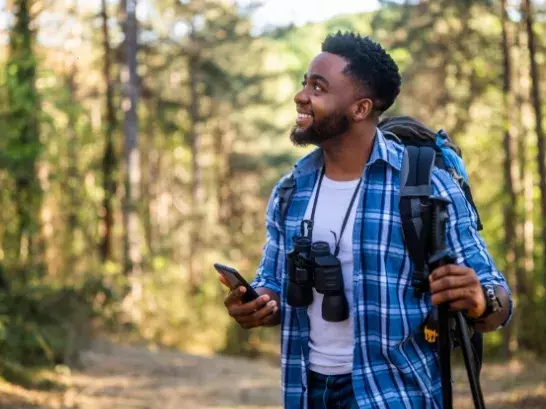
(303, 116)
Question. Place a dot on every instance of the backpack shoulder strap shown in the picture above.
(285, 192)
(415, 190)
(468, 195)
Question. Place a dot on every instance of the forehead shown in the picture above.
(330, 66)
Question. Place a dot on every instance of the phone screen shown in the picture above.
(235, 280)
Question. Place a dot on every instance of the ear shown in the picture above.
(362, 109)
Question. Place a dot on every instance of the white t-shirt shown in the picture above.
(331, 343)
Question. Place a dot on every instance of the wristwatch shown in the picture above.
(492, 302)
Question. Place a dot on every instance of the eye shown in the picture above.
(303, 83)
(317, 87)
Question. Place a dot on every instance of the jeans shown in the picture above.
(331, 392)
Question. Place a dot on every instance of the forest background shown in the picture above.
(139, 144)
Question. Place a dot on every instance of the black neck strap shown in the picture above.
(345, 220)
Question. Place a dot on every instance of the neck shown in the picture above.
(345, 157)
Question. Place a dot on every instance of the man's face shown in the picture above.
(324, 101)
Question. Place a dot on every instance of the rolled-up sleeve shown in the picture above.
(462, 234)
(269, 272)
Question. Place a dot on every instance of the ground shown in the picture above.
(130, 377)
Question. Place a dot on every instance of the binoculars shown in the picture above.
(313, 265)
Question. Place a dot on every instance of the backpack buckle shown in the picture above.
(419, 282)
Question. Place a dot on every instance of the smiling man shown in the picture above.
(351, 335)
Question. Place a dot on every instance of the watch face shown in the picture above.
(493, 303)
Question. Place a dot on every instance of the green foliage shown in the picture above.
(47, 325)
(21, 145)
(14, 372)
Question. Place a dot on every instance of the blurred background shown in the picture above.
(139, 143)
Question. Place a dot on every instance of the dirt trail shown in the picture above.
(129, 377)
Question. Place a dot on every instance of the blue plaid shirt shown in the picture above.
(393, 367)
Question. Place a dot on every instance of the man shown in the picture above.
(349, 188)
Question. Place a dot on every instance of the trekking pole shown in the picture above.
(440, 257)
(471, 370)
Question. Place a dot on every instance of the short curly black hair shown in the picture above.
(369, 64)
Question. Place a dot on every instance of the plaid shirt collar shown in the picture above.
(382, 151)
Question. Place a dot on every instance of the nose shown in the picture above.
(301, 97)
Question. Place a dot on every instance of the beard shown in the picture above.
(319, 131)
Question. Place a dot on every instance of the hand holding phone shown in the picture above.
(234, 280)
(248, 307)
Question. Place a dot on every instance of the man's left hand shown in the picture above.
(460, 287)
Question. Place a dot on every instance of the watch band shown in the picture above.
(492, 302)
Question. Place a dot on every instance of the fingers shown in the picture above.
(448, 270)
(462, 305)
(457, 285)
(265, 316)
(261, 313)
(264, 310)
(448, 296)
(459, 298)
(272, 319)
(249, 308)
(452, 281)
(234, 296)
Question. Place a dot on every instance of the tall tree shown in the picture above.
(24, 145)
(527, 11)
(72, 168)
(194, 66)
(511, 180)
(525, 172)
(132, 231)
(109, 160)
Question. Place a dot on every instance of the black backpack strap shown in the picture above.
(415, 190)
(468, 194)
(285, 192)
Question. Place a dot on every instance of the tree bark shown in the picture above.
(511, 181)
(132, 231)
(72, 172)
(524, 228)
(526, 175)
(109, 159)
(196, 188)
(535, 98)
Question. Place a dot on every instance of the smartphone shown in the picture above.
(235, 280)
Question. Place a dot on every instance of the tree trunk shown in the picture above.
(525, 229)
(132, 231)
(221, 153)
(535, 97)
(23, 118)
(109, 159)
(72, 173)
(151, 178)
(511, 181)
(196, 188)
(147, 181)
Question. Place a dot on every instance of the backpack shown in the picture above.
(424, 150)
